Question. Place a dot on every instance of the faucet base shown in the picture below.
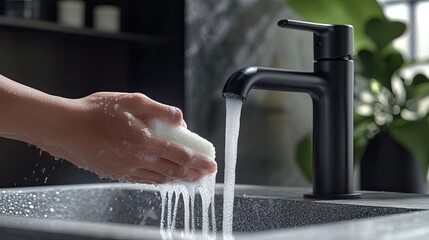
(332, 196)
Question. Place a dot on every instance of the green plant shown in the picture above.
(385, 100)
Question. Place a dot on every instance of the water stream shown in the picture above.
(233, 111)
(172, 193)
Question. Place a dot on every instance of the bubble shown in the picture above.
(146, 132)
(146, 157)
(129, 116)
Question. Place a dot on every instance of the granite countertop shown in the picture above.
(411, 225)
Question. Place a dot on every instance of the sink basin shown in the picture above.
(111, 205)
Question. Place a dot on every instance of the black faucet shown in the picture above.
(331, 89)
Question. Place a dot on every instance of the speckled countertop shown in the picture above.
(412, 225)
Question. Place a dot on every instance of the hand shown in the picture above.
(106, 134)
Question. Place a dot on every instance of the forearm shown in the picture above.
(27, 114)
(104, 132)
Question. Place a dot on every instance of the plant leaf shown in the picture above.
(418, 79)
(304, 157)
(414, 137)
(419, 87)
(355, 13)
(392, 62)
(383, 31)
(420, 91)
(369, 67)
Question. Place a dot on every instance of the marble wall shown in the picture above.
(223, 36)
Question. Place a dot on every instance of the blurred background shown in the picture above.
(181, 52)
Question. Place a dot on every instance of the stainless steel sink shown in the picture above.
(107, 205)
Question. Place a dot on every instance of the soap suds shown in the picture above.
(192, 143)
(182, 136)
(172, 193)
(146, 157)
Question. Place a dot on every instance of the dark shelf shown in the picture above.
(51, 27)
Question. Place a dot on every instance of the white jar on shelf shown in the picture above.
(107, 18)
(71, 13)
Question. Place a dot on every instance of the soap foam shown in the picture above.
(182, 136)
(186, 190)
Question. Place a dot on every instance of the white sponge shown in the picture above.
(182, 136)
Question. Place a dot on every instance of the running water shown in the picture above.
(233, 111)
(173, 192)
(170, 197)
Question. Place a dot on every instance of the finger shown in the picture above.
(186, 157)
(175, 171)
(175, 153)
(144, 108)
(183, 124)
(141, 175)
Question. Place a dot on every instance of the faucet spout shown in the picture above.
(240, 82)
(331, 89)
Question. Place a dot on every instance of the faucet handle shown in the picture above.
(330, 41)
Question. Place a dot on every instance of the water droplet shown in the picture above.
(51, 210)
(31, 207)
(111, 209)
(45, 215)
